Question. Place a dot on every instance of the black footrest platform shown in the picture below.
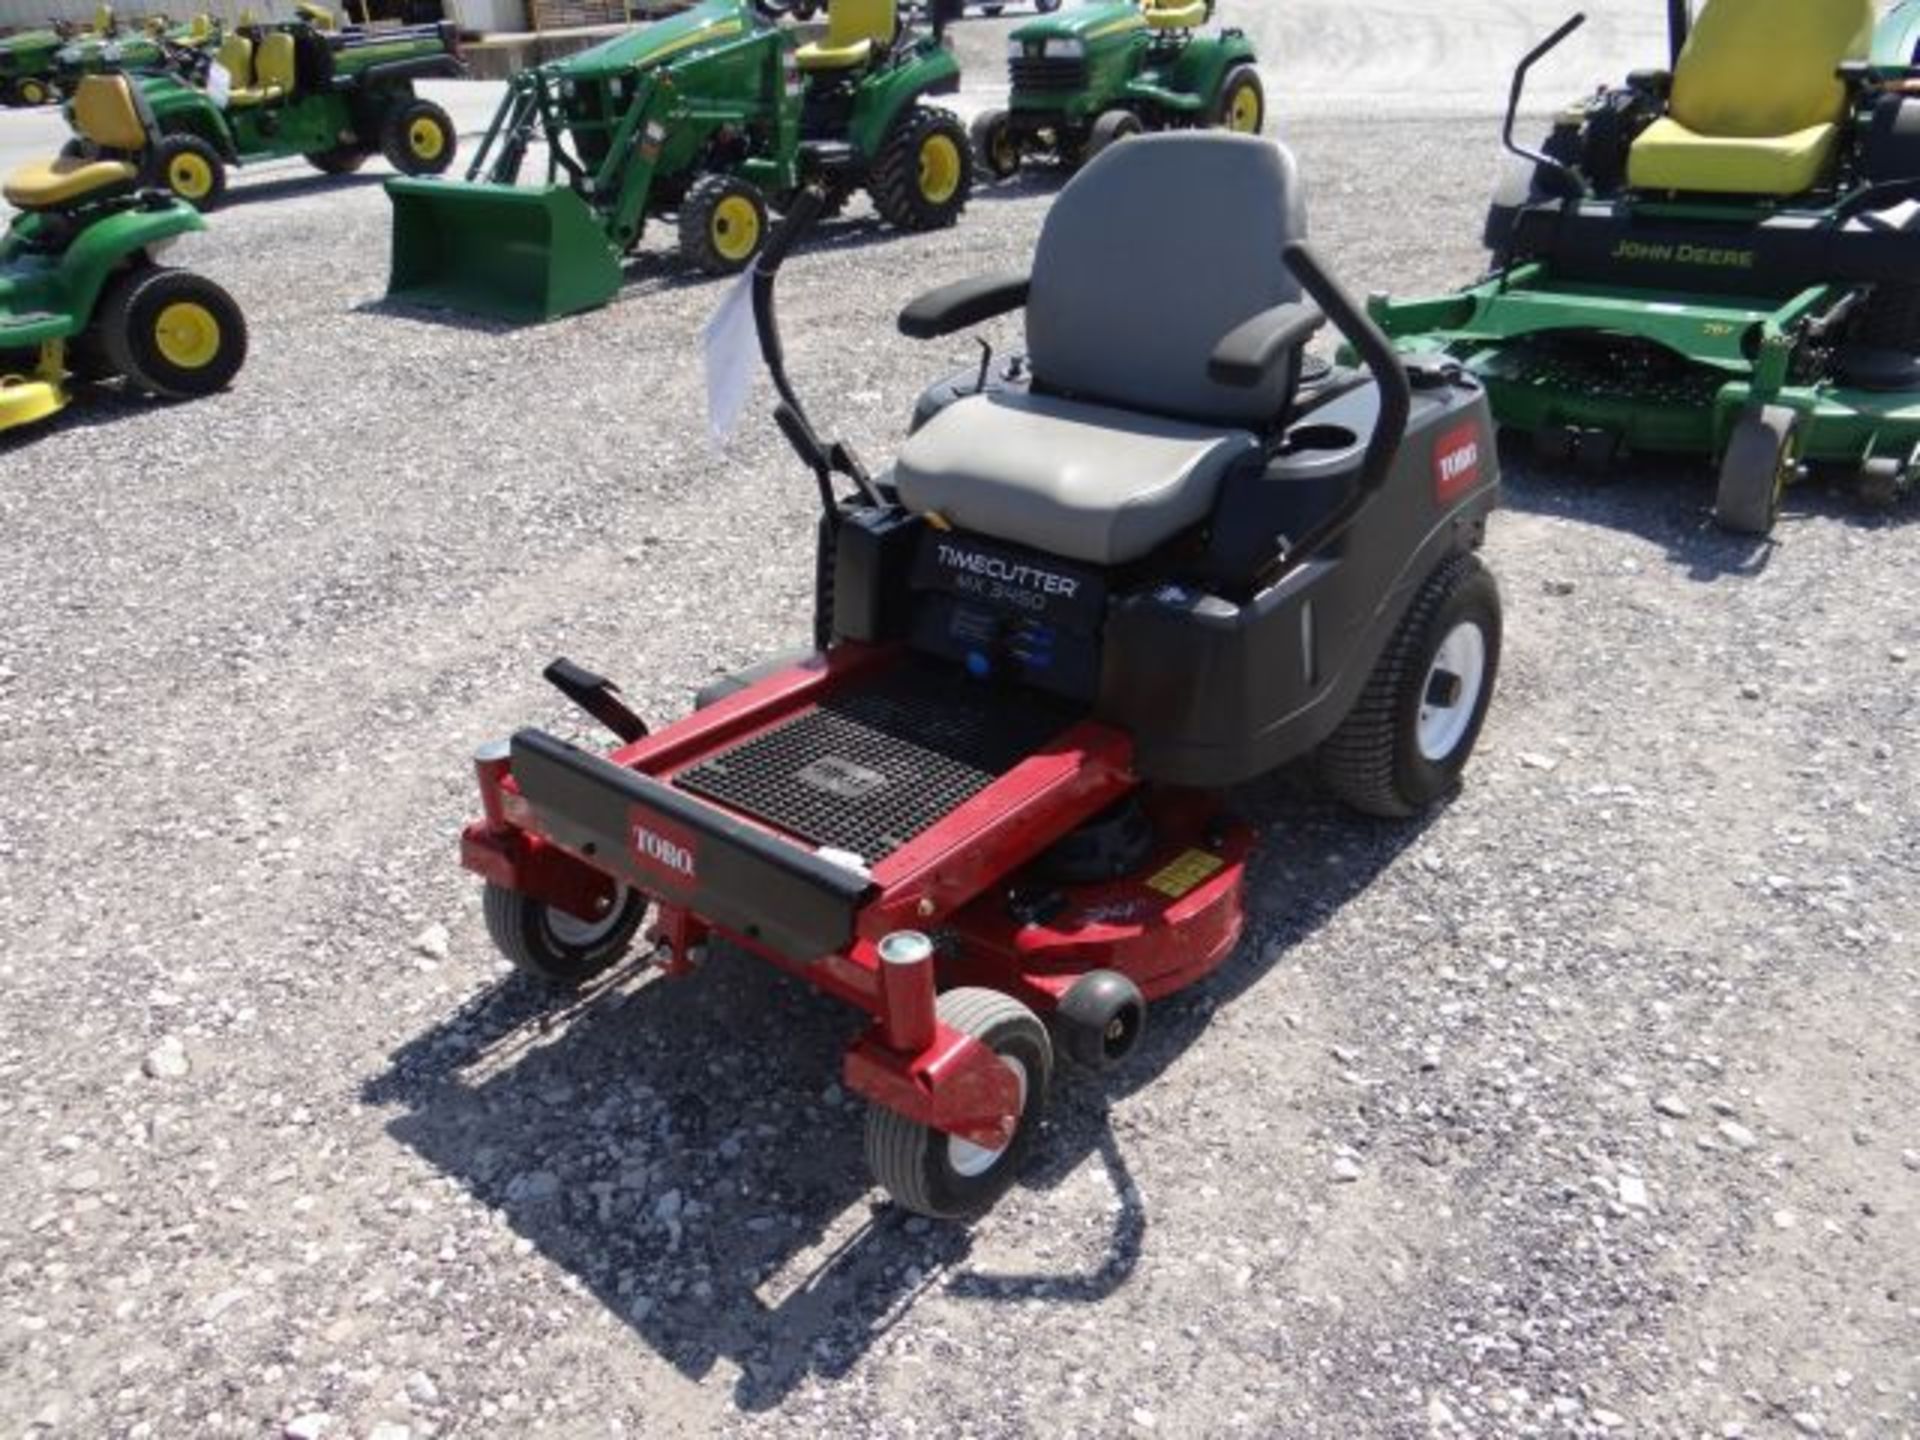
(870, 769)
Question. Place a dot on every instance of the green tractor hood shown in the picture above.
(711, 23)
(29, 51)
(1091, 25)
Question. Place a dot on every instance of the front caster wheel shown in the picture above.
(1410, 734)
(557, 948)
(1102, 1019)
(1762, 457)
(941, 1175)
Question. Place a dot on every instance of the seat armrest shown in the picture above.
(1657, 83)
(1248, 354)
(962, 304)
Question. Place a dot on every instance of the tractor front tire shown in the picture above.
(924, 174)
(172, 333)
(192, 169)
(1111, 128)
(340, 160)
(996, 149)
(418, 138)
(1242, 107)
(29, 92)
(941, 1175)
(723, 224)
(1410, 734)
(556, 948)
(1762, 456)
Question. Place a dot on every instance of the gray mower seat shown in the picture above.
(1150, 257)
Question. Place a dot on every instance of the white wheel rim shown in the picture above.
(577, 934)
(969, 1160)
(1459, 669)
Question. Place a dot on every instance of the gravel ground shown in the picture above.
(1586, 1107)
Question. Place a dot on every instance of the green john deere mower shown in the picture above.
(1097, 73)
(700, 117)
(1718, 259)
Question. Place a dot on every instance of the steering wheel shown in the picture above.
(774, 9)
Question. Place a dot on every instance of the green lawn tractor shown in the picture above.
(1097, 73)
(81, 294)
(157, 45)
(26, 67)
(336, 97)
(700, 117)
(1718, 259)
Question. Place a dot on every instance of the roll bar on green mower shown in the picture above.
(1667, 278)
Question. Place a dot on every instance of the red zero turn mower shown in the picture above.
(1164, 554)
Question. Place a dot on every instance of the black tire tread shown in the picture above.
(393, 137)
(114, 324)
(171, 145)
(513, 920)
(696, 227)
(895, 185)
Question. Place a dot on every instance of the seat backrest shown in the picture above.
(851, 21)
(106, 112)
(275, 63)
(1150, 257)
(1768, 67)
(236, 58)
(199, 28)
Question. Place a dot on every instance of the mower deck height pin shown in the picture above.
(906, 990)
(491, 763)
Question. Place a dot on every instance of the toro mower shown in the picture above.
(1098, 73)
(297, 87)
(700, 116)
(1165, 554)
(1721, 259)
(81, 296)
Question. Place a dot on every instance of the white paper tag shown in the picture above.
(733, 359)
(219, 85)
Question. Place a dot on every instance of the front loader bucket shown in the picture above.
(518, 253)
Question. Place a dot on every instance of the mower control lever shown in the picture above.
(1575, 185)
(1376, 353)
(598, 696)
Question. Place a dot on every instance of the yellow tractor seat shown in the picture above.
(273, 70)
(1757, 101)
(107, 112)
(854, 28)
(1175, 14)
(53, 184)
(235, 56)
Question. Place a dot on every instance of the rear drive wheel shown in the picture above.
(192, 169)
(1243, 102)
(925, 171)
(1112, 127)
(1762, 456)
(32, 92)
(554, 947)
(942, 1175)
(340, 160)
(723, 224)
(418, 138)
(171, 332)
(1410, 734)
(995, 148)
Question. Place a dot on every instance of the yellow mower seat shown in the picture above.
(105, 113)
(1757, 99)
(272, 73)
(854, 28)
(1175, 14)
(235, 56)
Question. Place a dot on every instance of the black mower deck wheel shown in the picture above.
(192, 169)
(1102, 1019)
(172, 333)
(943, 1176)
(556, 948)
(723, 224)
(418, 138)
(1410, 734)
(924, 174)
(1762, 457)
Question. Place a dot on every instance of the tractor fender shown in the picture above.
(417, 68)
(107, 245)
(182, 110)
(1204, 65)
(882, 101)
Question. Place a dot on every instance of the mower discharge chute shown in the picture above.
(1722, 259)
(700, 116)
(1167, 555)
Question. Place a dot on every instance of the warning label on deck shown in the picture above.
(1186, 871)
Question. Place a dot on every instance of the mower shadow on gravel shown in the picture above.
(683, 1150)
(302, 182)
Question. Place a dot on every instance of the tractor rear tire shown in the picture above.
(172, 333)
(1110, 129)
(1242, 107)
(1762, 455)
(723, 224)
(340, 160)
(418, 138)
(192, 169)
(942, 1176)
(554, 947)
(995, 149)
(924, 174)
(1411, 732)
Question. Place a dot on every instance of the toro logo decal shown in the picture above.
(1456, 463)
(664, 849)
